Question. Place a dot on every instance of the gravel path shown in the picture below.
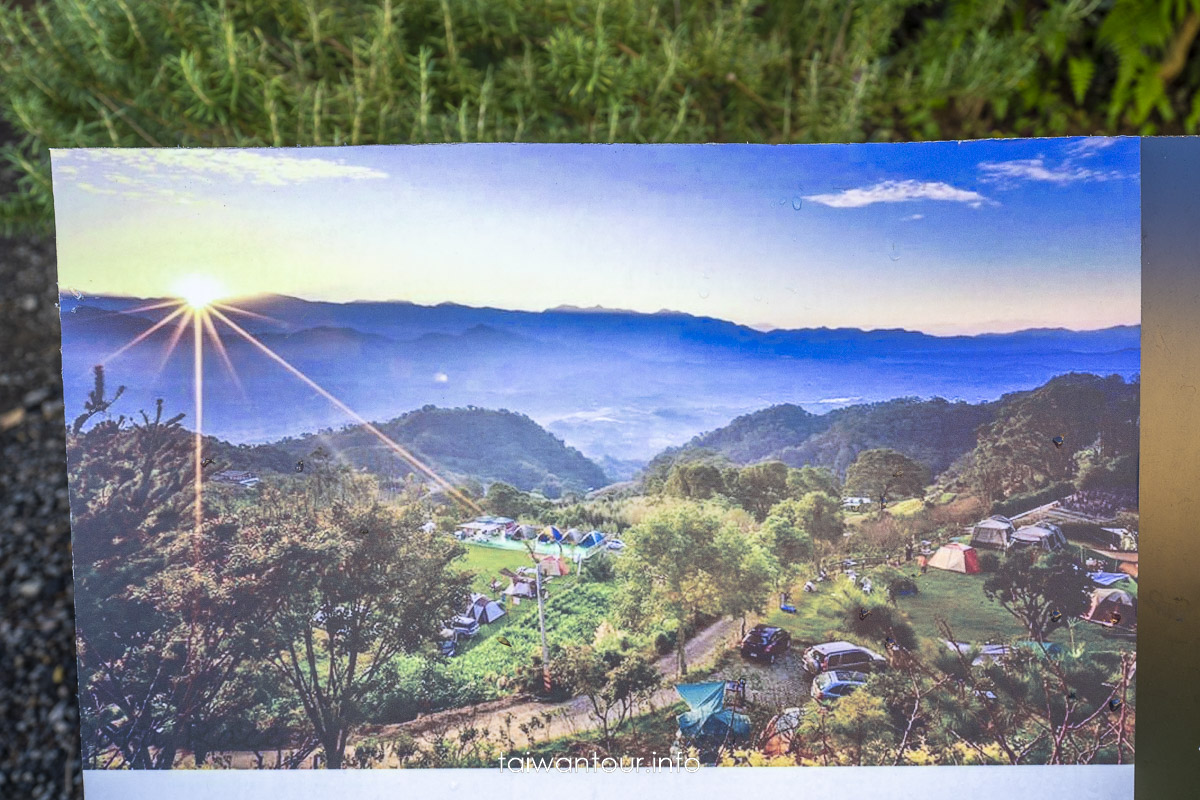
(39, 751)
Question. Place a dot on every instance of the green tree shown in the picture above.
(786, 536)
(167, 613)
(507, 501)
(613, 679)
(744, 571)
(884, 475)
(858, 721)
(758, 487)
(695, 480)
(670, 566)
(1043, 592)
(383, 587)
(812, 479)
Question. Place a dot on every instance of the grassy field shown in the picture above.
(906, 508)
(957, 598)
(486, 563)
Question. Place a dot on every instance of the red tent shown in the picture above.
(956, 557)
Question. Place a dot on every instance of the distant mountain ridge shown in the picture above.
(615, 384)
(935, 432)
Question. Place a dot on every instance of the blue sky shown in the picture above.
(942, 237)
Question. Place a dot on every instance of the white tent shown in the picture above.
(1045, 535)
(995, 532)
(484, 609)
(521, 588)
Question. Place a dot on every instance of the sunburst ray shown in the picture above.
(369, 426)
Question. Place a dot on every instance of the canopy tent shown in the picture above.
(590, 539)
(484, 609)
(554, 566)
(708, 719)
(1121, 539)
(1113, 608)
(994, 532)
(956, 557)
(1045, 535)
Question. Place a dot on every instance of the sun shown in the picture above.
(198, 291)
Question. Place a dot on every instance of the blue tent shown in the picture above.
(551, 534)
(708, 717)
(591, 539)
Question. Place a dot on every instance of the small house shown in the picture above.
(237, 477)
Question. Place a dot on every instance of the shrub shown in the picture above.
(1024, 502)
(988, 561)
(598, 569)
(84, 73)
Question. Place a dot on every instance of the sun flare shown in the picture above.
(198, 291)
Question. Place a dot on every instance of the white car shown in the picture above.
(615, 544)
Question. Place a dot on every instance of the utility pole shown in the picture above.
(542, 624)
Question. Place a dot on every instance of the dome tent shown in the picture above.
(1112, 608)
(956, 557)
(484, 609)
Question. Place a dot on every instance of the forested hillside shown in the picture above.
(996, 448)
(462, 443)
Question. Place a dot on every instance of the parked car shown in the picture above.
(836, 683)
(840, 655)
(766, 642)
(464, 625)
(615, 544)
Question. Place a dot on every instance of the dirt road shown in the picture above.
(502, 720)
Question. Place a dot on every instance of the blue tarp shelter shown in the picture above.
(1107, 578)
(708, 718)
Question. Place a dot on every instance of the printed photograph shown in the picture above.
(488, 456)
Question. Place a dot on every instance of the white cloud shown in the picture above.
(912, 217)
(441, 377)
(1036, 169)
(167, 172)
(899, 192)
(1089, 146)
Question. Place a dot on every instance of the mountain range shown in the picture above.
(620, 386)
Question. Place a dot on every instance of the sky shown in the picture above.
(941, 237)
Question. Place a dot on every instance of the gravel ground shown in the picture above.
(39, 749)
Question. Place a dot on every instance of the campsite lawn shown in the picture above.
(486, 563)
(957, 598)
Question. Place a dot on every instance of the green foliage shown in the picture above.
(598, 569)
(508, 501)
(1016, 454)
(612, 678)
(1027, 500)
(813, 479)
(695, 480)
(885, 475)
(758, 487)
(933, 432)
(481, 444)
(1044, 593)
(689, 559)
(88, 73)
